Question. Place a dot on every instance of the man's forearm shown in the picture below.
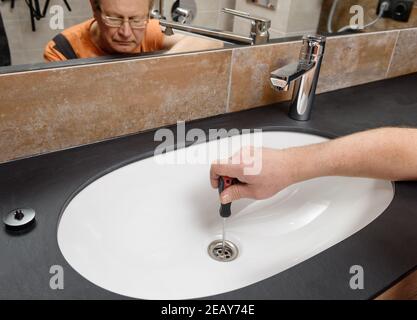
(195, 44)
(387, 153)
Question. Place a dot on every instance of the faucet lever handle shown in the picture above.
(260, 26)
(282, 78)
(247, 15)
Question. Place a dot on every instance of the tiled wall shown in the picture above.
(49, 110)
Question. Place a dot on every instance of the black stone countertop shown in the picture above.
(386, 248)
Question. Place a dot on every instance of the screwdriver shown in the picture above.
(225, 209)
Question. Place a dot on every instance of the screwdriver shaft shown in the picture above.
(224, 235)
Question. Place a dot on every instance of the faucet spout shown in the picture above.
(259, 31)
(283, 77)
(222, 35)
(304, 74)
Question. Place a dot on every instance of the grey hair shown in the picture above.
(97, 4)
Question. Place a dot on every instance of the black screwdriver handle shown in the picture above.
(224, 183)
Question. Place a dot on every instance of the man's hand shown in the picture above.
(387, 153)
(276, 174)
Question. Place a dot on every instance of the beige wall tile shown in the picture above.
(55, 109)
(404, 60)
(354, 60)
(250, 74)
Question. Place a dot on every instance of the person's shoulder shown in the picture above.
(153, 28)
(52, 54)
(154, 36)
(78, 36)
(154, 23)
(78, 31)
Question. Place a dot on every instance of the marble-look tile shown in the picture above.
(251, 67)
(51, 110)
(356, 59)
(404, 60)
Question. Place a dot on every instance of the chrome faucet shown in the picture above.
(304, 74)
(259, 32)
(183, 15)
(222, 35)
(260, 26)
(158, 13)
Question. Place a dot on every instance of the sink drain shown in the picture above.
(224, 254)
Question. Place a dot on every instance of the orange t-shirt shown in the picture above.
(83, 46)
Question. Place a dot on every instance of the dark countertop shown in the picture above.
(386, 248)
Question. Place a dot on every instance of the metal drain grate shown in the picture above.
(223, 254)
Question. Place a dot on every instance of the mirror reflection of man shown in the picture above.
(5, 59)
(120, 27)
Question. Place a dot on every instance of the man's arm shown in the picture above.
(387, 153)
(50, 54)
(179, 43)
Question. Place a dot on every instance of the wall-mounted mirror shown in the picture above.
(101, 29)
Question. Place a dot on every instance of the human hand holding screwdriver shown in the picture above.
(387, 153)
(273, 177)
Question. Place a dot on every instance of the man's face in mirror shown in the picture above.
(121, 23)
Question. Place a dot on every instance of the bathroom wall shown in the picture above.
(342, 16)
(49, 110)
(290, 18)
(27, 46)
(209, 13)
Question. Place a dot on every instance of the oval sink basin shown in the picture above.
(144, 230)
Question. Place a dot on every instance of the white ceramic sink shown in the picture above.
(143, 230)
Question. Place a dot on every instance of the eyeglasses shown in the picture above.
(135, 23)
